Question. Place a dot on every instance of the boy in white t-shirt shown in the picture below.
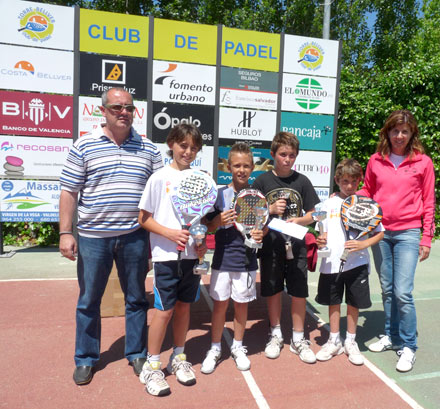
(174, 289)
(354, 278)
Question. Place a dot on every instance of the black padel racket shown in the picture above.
(252, 213)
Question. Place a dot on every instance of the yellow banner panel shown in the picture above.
(186, 42)
(113, 33)
(250, 49)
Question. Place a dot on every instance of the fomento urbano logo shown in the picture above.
(311, 56)
(36, 24)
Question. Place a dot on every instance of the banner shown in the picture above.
(99, 73)
(29, 201)
(34, 69)
(32, 157)
(24, 113)
(36, 24)
(315, 165)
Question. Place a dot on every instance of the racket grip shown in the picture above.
(344, 255)
(180, 248)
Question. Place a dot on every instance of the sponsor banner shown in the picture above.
(310, 56)
(24, 113)
(188, 42)
(308, 94)
(247, 124)
(99, 73)
(263, 162)
(203, 160)
(103, 32)
(37, 24)
(314, 132)
(167, 116)
(246, 88)
(250, 49)
(315, 165)
(32, 157)
(90, 116)
(183, 83)
(34, 69)
(29, 201)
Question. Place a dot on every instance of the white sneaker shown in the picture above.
(406, 360)
(154, 379)
(210, 362)
(180, 367)
(353, 353)
(273, 347)
(384, 344)
(329, 350)
(302, 348)
(240, 358)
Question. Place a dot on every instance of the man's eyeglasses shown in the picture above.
(119, 107)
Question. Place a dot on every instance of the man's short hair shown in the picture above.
(104, 96)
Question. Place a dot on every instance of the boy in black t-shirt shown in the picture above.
(233, 265)
(277, 266)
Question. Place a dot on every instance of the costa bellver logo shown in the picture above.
(25, 67)
(36, 24)
(311, 56)
(309, 93)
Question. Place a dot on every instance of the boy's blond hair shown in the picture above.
(284, 138)
(240, 147)
(350, 167)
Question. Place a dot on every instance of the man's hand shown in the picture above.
(68, 246)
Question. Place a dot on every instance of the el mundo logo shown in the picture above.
(113, 72)
(309, 93)
(311, 56)
(36, 24)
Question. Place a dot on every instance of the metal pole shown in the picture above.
(326, 23)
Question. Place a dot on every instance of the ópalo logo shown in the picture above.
(36, 24)
(309, 93)
(311, 56)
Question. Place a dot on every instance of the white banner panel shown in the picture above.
(34, 69)
(315, 165)
(183, 83)
(36, 24)
(305, 55)
(203, 161)
(90, 116)
(29, 201)
(308, 94)
(247, 124)
(22, 156)
(248, 99)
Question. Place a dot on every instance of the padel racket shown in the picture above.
(252, 213)
(360, 215)
(294, 208)
(192, 198)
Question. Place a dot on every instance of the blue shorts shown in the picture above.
(169, 287)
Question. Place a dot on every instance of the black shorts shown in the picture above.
(275, 269)
(355, 282)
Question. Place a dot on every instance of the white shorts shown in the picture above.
(238, 286)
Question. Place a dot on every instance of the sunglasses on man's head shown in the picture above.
(119, 107)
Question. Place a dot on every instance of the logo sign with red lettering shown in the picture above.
(90, 116)
(315, 165)
(32, 114)
(32, 157)
(167, 116)
(99, 73)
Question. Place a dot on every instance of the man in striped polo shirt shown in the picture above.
(104, 176)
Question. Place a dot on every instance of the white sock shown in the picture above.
(216, 345)
(297, 336)
(236, 344)
(154, 358)
(276, 330)
(349, 337)
(334, 337)
(178, 350)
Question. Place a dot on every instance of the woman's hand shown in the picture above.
(424, 252)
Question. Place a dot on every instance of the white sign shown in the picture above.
(315, 165)
(90, 116)
(183, 83)
(36, 24)
(22, 156)
(308, 94)
(29, 201)
(247, 124)
(248, 99)
(34, 69)
(291, 229)
(310, 56)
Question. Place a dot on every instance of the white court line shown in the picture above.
(252, 385)
(38, 279)
(384, 378)
(420, 377)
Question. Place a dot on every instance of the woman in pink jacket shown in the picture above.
(400, 177)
